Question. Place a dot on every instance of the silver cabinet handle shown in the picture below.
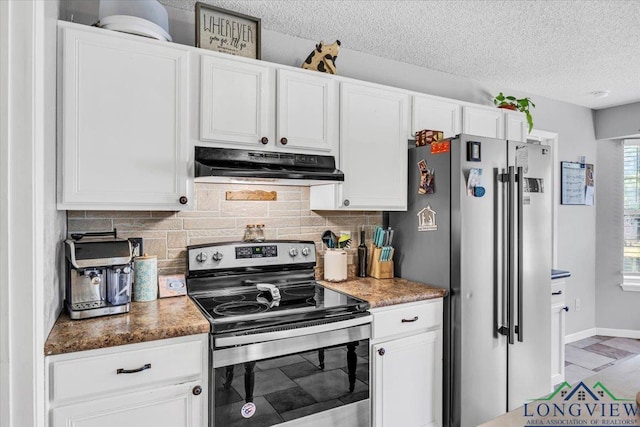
(410, 320)
(133, 371)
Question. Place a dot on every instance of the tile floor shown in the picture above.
(586, 357)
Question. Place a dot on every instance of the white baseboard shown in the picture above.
(579, 335)
(605, 332)
(622, 333)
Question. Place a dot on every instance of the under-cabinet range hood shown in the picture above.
(229, 165)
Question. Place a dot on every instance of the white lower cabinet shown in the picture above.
(558, 312)
(406, 355)
(159, 383)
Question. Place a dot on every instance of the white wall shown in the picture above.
(616, 308)
(30, 226)
(618, 122)
(574, 124)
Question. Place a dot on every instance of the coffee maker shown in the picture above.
(98, 274)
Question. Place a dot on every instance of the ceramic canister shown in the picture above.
(335, 265)
(145, 282)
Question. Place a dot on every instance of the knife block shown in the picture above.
(379, 269)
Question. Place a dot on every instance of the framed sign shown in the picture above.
(227, 32)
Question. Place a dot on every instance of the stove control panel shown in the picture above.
(222, 256)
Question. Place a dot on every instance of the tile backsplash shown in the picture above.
(214, 219)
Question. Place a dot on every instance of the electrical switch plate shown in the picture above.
(577, 304)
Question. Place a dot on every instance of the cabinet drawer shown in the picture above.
(103, 374)
(557, 291)
(406, 319)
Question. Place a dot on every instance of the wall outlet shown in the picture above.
(577, 304)
(137, 247)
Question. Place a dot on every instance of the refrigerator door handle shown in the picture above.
(511, 256)
(502, 267)
(519, 236)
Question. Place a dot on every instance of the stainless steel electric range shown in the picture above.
(283, 348)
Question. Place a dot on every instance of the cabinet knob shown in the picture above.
(197, 390)
(183, 200)
(264, 140)
(565, 308)
(346, 202)
(283, 141)
(381, 352)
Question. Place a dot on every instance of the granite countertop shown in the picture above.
(146, 321)
(621, 380)
(383, 292)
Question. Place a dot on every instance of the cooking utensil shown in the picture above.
(330, 239)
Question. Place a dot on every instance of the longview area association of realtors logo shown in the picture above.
(580, 405)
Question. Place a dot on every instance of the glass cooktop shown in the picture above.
(246, 307)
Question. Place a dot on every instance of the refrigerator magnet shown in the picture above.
(473, 151)
(427, 219)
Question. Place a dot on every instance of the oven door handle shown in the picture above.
(233, 340)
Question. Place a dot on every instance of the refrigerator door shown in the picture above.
(479, 352)
(529, 358)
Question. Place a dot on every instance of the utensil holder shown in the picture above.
(380, 269)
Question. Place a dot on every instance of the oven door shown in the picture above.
(320, 379)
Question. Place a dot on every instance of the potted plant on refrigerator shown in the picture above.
(512, 103)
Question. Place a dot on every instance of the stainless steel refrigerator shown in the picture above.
(487, 238)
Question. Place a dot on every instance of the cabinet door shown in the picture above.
(237, 104)
(307, 112)
(373, 148)
(516, 128)
(124, 123)
(408, 381)
(173, 406)
(557, 343)
(483, 121)
(436, 114)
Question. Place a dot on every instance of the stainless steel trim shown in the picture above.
(511, 256)
(95, 312)
(520, 237)
(227, 341)
(356, 414)
(309, 341)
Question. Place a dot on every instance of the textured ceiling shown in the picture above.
(563, 50)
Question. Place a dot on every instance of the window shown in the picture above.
(631, 207)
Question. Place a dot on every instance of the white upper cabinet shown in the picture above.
(373, 151)
(436, 114)
(516, 126)
(123, 136)
(236, 102)
(307, 111)
(483, 121)
(254, 106)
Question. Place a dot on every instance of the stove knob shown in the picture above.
(293, 252)
(305, 251)
(217, 256)
(201, 257)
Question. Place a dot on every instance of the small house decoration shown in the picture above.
(323, 58)
(427, 219)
